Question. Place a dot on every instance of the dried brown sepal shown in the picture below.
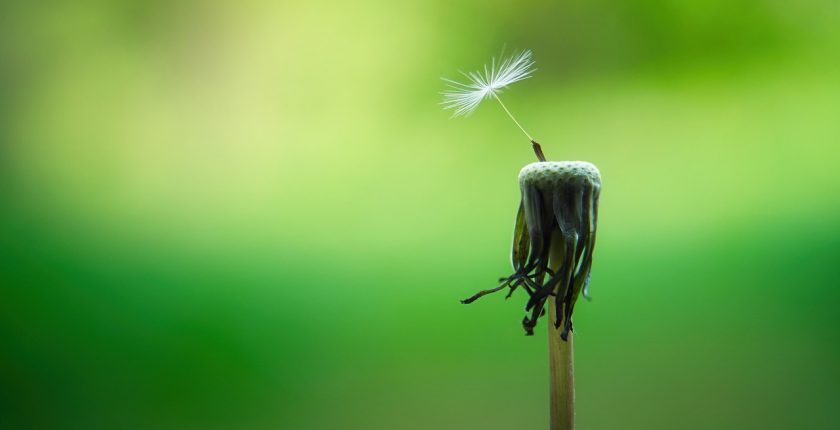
(559, 209)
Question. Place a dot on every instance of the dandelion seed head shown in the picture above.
(464, 97)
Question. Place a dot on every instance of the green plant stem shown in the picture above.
(561, 362)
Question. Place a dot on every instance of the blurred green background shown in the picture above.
(254, 215)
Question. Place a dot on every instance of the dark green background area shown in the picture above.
(255, 215)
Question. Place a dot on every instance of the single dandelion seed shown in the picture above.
(464, 97)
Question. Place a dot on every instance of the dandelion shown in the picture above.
(553, 237)
(553, 243)
(464, 98)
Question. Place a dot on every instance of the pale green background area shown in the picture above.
(254, 215)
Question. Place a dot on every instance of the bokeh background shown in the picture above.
(254, 215)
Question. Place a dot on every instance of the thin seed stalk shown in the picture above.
(561, 361)
(534, 144)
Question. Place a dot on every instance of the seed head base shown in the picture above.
(559, 209)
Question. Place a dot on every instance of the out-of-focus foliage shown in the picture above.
(255, 214)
